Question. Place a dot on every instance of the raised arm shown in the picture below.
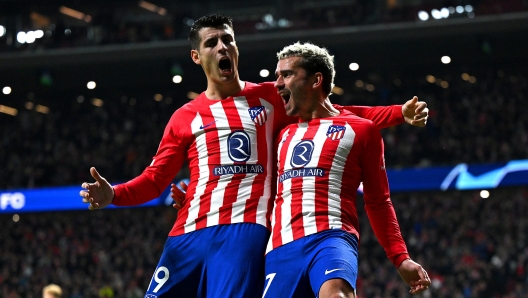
(413, 112)
(149, 184)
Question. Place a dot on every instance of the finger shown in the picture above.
(413, 101)
(83, 193)
(96, 175)
(183, 186)
(85, 200)
(419, 123)
(176, 206)
(420, 106)
(85, 185)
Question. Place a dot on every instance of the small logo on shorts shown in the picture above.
(330, 271)
(150, 296)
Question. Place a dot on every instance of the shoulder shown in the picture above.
(264, 88)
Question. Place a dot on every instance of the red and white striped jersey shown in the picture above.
(321, 164)
(228, 145)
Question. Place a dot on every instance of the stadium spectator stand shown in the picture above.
(472, 248)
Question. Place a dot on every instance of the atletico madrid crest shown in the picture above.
(336, 132)
(258, 114)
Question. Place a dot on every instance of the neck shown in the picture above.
(217, 91)
(322, 109)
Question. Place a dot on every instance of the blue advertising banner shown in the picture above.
(459, 177)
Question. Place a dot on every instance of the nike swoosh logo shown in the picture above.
(207, 125)
(330, 271)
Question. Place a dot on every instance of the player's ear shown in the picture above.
(195, 56)
(317, 80)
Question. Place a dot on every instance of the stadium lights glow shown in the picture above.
(468, 8)
(16, 218)
(370, 87)
(460, 9)
(80, 99)
(2, 30)
(152, 7)
(39, 33)
(353, 66)
(423, 15)
(446, 59)
(471, 15)
(8, 110)
(177, 79)
(158, 97)
(30, 37)
(360, 84)
(6, 90)
(21, 37)
(451, 10)
(192, 95)
(29, 105)
(264, 73)
(338, 90)
(42, 109)
(444, 12)
(97, 102)
(437, 15)
(484, 194)
(431, 79)
(75, 14)
(91, 85)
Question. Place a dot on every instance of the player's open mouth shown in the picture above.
(285, 97)
(225, 65)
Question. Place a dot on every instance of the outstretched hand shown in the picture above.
(415, 112)
(99, 194)
(178, 195)
(415, 276)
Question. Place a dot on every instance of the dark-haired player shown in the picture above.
(217, 244)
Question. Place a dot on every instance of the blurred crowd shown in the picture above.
(471, 247)
(483, 119)
(127, 22)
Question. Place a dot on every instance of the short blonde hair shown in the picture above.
(53, 290)
(313, 59)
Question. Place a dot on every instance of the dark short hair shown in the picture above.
(209, 21)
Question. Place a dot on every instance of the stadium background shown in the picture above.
(473, 242)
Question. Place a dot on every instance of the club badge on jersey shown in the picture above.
(258, 114)
(335, 132)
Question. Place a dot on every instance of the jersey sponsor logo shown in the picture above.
(239, 146)
(333, 270)
(207, 125)
(304, 172)
(258, 114)
(238, 169)
(302, 154)
(336, 132)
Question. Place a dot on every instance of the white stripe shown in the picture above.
(217, 195)
(201, 148)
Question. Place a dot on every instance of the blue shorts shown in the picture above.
(220, 261)
(299, 268)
